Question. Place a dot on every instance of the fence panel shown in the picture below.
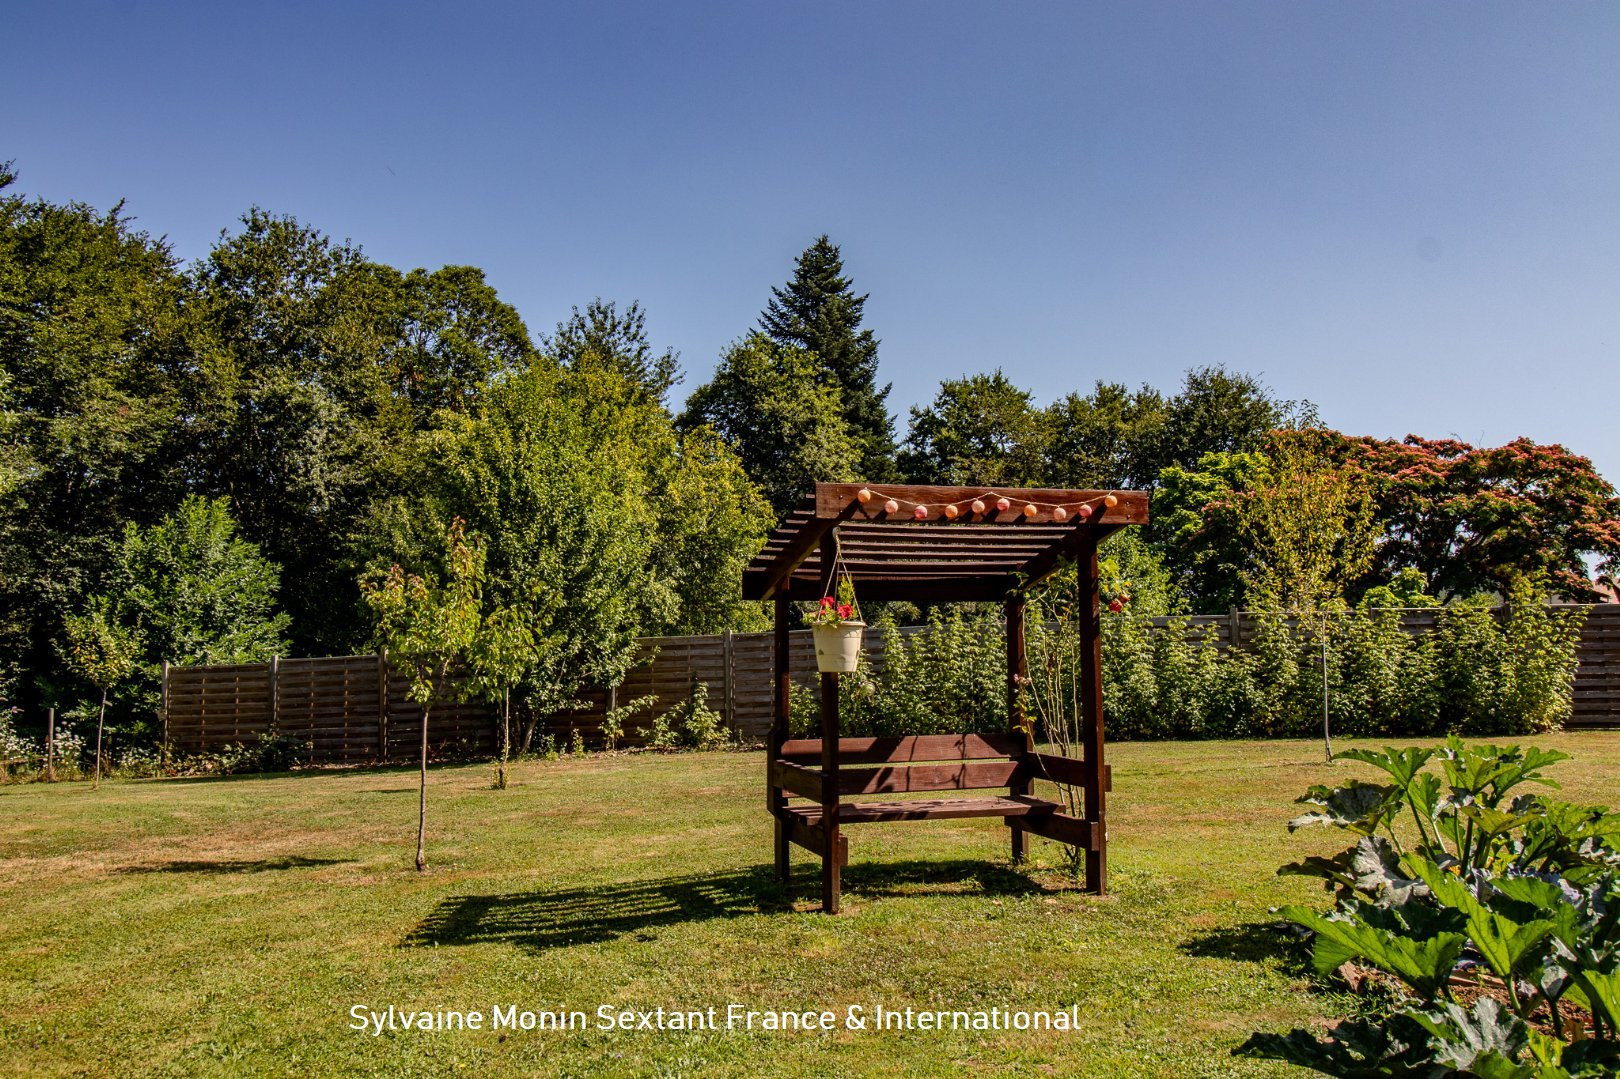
(1597, 679)
(210, 708)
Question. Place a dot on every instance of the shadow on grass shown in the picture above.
(262, 865)
(957, 875)
(540, 920)
(1254, 942)
(586, 915)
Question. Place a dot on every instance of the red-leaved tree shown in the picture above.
(1471, 519)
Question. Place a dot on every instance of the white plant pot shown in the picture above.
(838, 648)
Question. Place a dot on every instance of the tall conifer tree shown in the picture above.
(818, 311)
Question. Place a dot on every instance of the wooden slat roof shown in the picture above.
(897, 554)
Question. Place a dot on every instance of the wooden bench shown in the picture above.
(921, 763)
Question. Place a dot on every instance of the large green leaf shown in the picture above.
(1528, 899)
(1335, 870)
(1507, 947)
(1602, 993)
(1402, 765)
(1376, 869)
(1424, 965)
(1487, 772)
(1486, 1041)
(1358, 1049)
(1358, 807)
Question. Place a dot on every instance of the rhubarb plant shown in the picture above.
(1494, 908)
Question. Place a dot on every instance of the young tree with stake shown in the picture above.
(103, 652)
(430, 629)
(502, 655)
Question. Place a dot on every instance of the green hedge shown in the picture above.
(1481, 671)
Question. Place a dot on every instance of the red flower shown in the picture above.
(845, 610)
(826, 602)
(1116, 606)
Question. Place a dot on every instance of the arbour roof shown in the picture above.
(895, 556)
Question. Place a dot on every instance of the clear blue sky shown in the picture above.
(1406, 212)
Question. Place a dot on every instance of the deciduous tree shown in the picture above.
(786, 427)
(317, 369)
(1218, 411)
(101, 650)
(91, 354)
(1473, 519)
(430, 629)
(566, 525)
(1308, 523)
(601, 337)
(980, 429)
(1109, 438)
(200, 592)
(1194, 523)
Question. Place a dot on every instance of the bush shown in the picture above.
(268, 752)
(1507, 673)
(16, 752)
(22, 758)
(691, 724)
(946, 677)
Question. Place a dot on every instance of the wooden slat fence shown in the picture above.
(353, 708)
(349, 708)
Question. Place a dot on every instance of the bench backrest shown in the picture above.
(924, 762)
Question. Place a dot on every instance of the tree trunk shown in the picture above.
(101, 719)
(1327, 733)
(421, 807)
(506, 736)
(528, 728)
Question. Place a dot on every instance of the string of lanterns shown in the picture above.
(981, 504)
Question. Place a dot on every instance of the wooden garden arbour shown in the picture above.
(936, 544)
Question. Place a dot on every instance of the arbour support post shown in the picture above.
(776, 800)
(1017, 722)
(831, 879)
(831, 869)
(1091, 723)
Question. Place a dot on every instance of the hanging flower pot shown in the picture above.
(838, 630)
(838, 646)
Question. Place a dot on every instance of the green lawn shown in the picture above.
(229, 925)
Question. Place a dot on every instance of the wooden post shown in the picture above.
(1234, 629)
(1017, 722)
(50, 736)
(728, 707)
(382, 705)
(496, 719)
(781, 702)
(275, 694)
(831, 868)
(831, 883)
(1091, 721)
(164, 710)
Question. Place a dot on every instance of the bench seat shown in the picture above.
(1017, 805)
